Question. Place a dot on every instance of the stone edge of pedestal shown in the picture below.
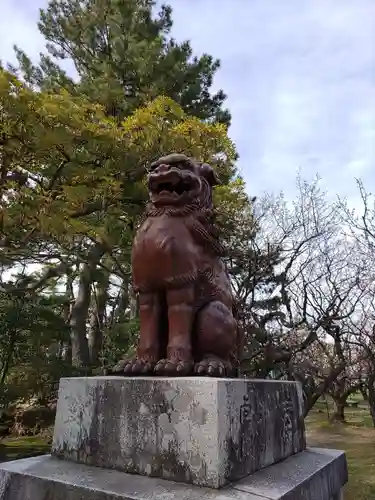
(314, 473)
(47, 477)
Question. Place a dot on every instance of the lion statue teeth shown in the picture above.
(187, 325)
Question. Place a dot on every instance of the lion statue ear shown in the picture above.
(209, 174)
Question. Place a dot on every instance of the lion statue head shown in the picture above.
(176, 181)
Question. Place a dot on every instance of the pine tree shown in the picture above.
(124, 55)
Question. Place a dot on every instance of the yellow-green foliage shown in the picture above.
(86, 170)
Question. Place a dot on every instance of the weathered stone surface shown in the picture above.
(204, 431)
(310, 475)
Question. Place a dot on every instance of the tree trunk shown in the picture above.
(123, 303)
(8, 358)
(364, 393)
(339, 410)
(134, 305)
(371, 398)
(80, 308)
(322, 388)
(97, 315)
(127, 304)
(11, 346)
(66, 344)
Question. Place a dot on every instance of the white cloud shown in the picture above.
(300, 79)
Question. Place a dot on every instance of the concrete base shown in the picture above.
(202, 431)
(311, 475)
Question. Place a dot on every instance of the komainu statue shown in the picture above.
(187, 325)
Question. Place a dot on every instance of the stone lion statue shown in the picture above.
(187, 325)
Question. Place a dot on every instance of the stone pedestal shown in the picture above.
(196, 430)
(224, 438)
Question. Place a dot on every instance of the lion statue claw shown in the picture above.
(187, 325)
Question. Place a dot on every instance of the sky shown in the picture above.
(299, 75)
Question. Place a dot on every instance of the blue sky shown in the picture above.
(300, 79)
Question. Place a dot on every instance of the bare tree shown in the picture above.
(361, 229)
(298, 283)
(363, 338)
(284, 243)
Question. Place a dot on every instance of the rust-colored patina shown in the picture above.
(187, 324)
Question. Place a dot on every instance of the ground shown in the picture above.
(356, 437)
(12, 448)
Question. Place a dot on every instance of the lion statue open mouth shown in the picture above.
(174, 182)
(187, 324)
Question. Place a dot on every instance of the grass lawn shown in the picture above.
(357, 438)
(12, 448)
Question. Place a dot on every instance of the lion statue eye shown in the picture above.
(153, 167)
